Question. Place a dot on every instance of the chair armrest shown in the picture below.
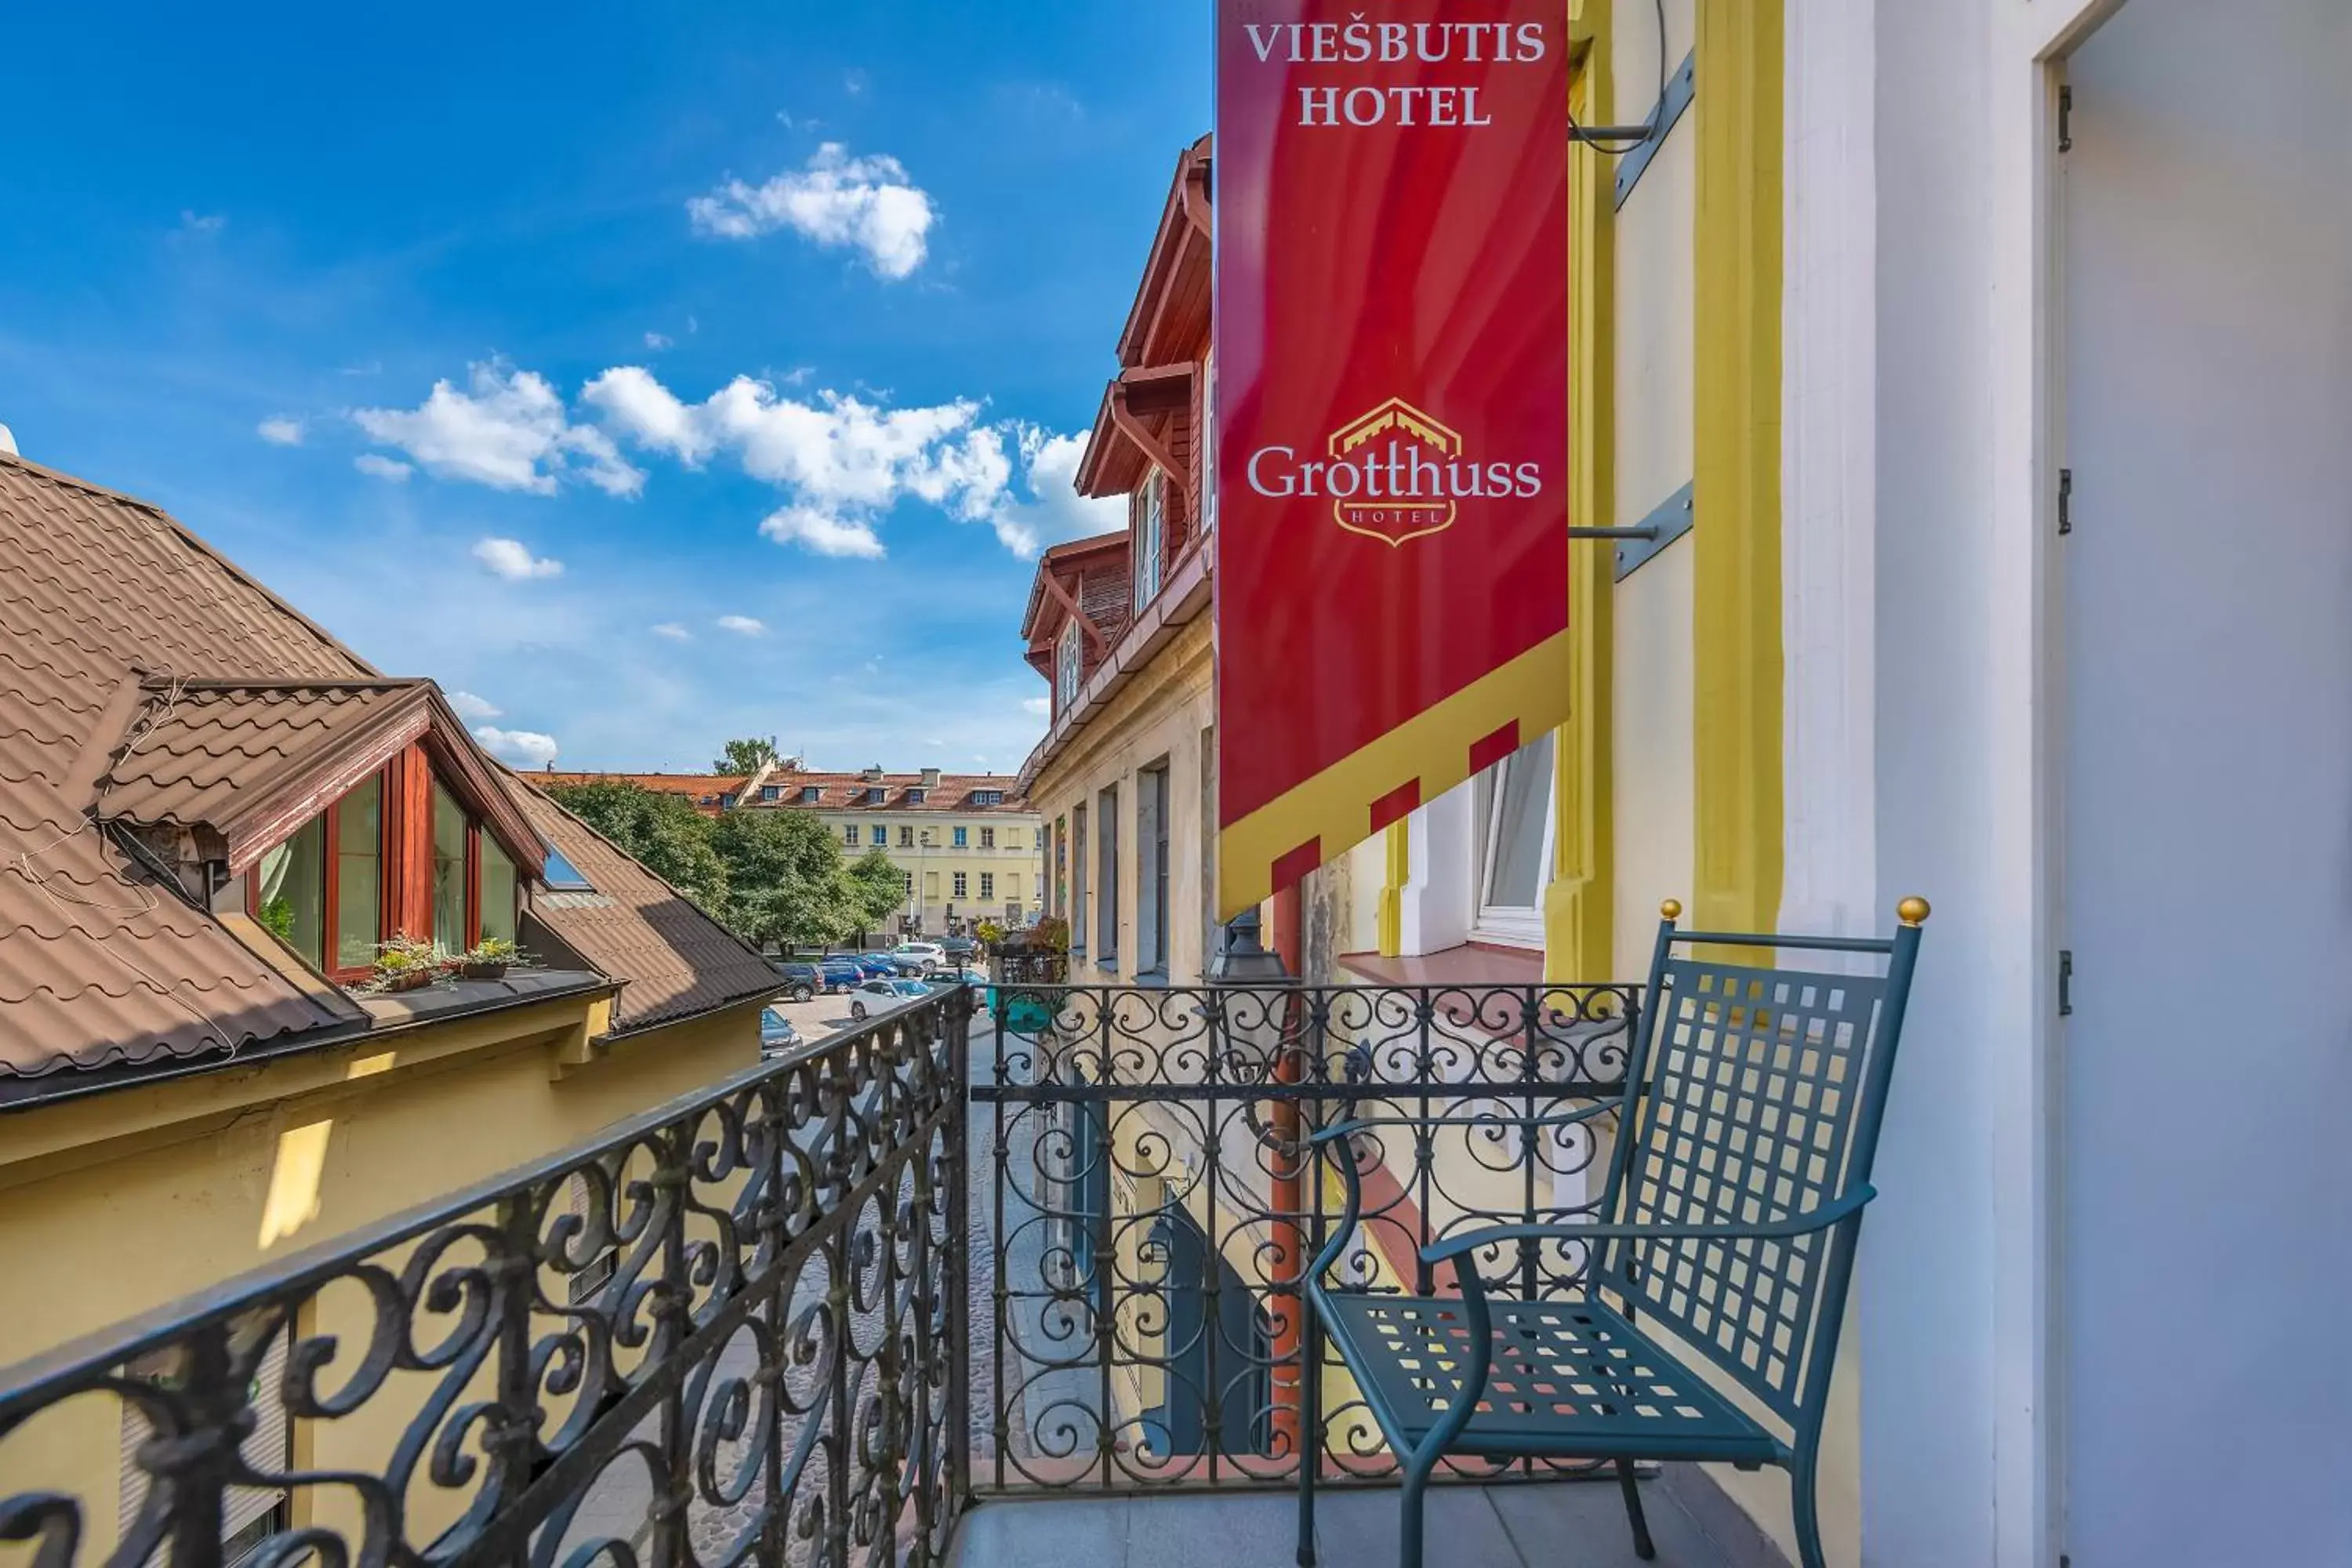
(1844, 1206)
(1339, 1130)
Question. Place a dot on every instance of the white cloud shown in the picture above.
(1055, 510)
(673, 631)
(280, 430)
(470, 706)
(507, 431)
(375, 465)
(843, 460)
(742, 625)
(822, 531)
(513, 561)
(649, 414)
(202, 223)
(865, 202)
(656, 341)
(524, 748)
(1040, 705)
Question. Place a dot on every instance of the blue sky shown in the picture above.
(649, 375)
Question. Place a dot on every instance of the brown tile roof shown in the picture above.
(677, 961)
(145, 680)
(99, 961)
(206, 752)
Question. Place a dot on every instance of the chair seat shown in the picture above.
(1569, 1379)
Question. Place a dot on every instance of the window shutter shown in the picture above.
(269, 1450)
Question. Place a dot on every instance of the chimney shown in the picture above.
(873, 773)
(930, 778)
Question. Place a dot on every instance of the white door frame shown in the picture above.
(2033, 40)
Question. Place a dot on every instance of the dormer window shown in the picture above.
(1150, 530)
(876, 796)
(915, 797)
(811, 795)
(769, 793)
(1066, 666)
(337, 886)
(988, 797)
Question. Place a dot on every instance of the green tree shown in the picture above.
(663, 833)
(786, 880)
(878, 887)
(748, 756)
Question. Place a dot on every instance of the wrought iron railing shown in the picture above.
(805, 1315)
(1150, 1203)
(732, 1328)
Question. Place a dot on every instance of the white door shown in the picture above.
(2206, 1221)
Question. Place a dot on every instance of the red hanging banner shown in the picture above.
(1392, 360)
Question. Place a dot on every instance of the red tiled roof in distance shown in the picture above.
(835, 790)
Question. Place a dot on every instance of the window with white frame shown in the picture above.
(1151, 529)
(1066, 665)
(1206, 439)
(1512, 845)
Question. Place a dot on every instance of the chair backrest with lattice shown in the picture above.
(1755, 1096)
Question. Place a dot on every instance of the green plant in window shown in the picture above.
(405, 963)
(489, 959)
(278, 919)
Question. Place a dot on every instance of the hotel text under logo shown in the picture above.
(1394, 473)
(1356, 43)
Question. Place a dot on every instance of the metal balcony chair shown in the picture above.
(1743, 1149)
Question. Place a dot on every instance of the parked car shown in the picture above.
(958, 947)
(967, 974)
(839, 974)
(874, 965)
(777, 1035)
(875, 993)
(802, 981)
(926, 956)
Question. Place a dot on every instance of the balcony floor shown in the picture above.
(1578, 1524)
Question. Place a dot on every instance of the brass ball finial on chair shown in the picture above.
(1912, 910)
(1672, 908)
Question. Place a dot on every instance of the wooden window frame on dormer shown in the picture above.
(405, 860)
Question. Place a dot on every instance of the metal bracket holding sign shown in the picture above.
(1680, 88)
(1673, 518)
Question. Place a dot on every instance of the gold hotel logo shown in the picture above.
(1394, 475)
(1393, 518)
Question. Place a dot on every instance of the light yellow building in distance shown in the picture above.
(967, 843)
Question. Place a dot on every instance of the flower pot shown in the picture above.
(408, 980)
(483, 971)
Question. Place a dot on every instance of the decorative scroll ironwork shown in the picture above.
(733, 1327)
(1153, 1202)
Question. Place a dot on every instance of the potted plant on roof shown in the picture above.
(489, 959)
(405, 963)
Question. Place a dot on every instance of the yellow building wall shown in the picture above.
(122, 1203)
(934, 859)
(1165, 713)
